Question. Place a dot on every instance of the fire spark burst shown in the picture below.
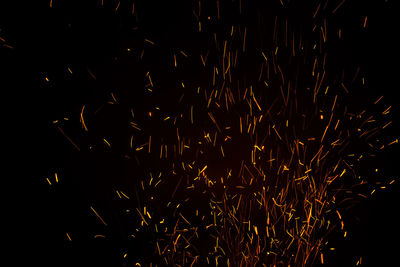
(251, 164)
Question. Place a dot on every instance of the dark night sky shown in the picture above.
(81, 36)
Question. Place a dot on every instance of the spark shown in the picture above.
(98, 216)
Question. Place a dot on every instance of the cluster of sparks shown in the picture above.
(246, 172)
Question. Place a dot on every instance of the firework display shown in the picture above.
(244, 144)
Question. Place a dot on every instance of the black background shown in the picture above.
(81, 35)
